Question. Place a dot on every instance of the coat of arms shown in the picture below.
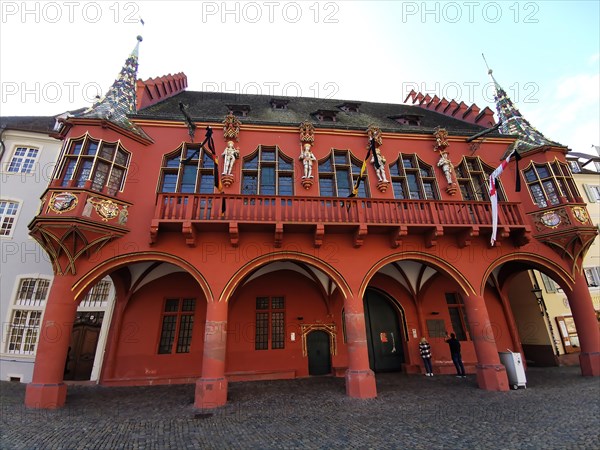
(63, 202)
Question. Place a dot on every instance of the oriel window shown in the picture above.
(104, 163)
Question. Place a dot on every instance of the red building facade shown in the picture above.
(280, 272)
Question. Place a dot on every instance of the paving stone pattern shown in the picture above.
(559, 410)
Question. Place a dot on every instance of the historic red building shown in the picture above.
(301, 261)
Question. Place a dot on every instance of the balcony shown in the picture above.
(194, 213)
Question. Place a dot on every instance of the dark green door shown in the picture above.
(384, 340)
(319, 356)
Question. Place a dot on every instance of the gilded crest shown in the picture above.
(441, 139)
(231, 127)
(375, 133)
(107, 209)
(580, 214)
(307, 133)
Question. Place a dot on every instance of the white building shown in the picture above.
(28, 155)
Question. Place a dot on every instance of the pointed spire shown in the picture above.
(513, 121)
(120, 100)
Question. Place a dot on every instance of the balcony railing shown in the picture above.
(328, 211)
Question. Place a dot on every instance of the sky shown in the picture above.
(58, 55)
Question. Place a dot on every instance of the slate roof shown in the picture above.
(212, 107)
(120, 100)
(39, 124)
(513, 122)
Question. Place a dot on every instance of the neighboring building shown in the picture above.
(28, 159)
(340, 232)
(561, 341)
(28, 156)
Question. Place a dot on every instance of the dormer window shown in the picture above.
(279, 103)
(350, 107)
(408, 119)
(325, 115)
(239, 110)
(575, 168)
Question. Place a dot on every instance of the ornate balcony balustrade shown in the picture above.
(191, 213)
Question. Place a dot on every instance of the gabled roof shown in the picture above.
(212, 107)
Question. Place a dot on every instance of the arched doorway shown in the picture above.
(319, 353)
(384, 336)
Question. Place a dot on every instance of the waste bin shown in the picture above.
(514, 369)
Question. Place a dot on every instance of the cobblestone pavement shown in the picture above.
(559, 409)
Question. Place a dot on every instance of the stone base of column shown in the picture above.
(492, 377)
(590, 364)
(45, 396)
(210, 393)
(361, 384)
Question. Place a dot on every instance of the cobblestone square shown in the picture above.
(558, 409)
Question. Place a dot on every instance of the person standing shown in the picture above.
(425, 350)
(455, 353)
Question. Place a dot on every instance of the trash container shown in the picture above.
(514, 369)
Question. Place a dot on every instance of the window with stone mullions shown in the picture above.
(270, 323)
(458, 315)
(473, 177)
(104, 163)
(550, 181)
(338, 173)
(413, 179)
(268, 171)
(177, 325)
(187, 170)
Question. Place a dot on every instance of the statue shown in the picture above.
(87, 209)
(230, 154)
(446, 166)
(307, 158)
(381, 161)
(123, 215)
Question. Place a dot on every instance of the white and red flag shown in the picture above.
(494, 197)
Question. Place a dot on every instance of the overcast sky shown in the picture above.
(57, 56)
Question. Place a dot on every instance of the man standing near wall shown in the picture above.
(455, 353)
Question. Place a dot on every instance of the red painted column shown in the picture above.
(491, 374)
(47, 390)
(584, 316)
(360, 379)
(211, 388)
